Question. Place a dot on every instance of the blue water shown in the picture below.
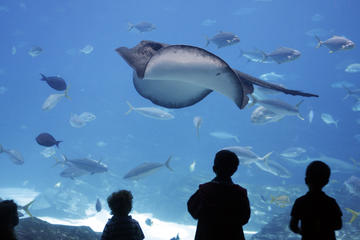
(101, 83)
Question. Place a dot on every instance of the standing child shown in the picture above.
(121, 225)
(220, 206)
(319, 215)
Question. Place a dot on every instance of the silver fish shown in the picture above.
(35, 51)
(274, 168)
(336, 43)
(146, 168)
(353, 68)
(293, 152)
(142, 27)
(256, 55)
(224, 135)
(311, 116)
(279, 107)
(223, 39)
(90, 165)
(13, 155)
(73, 172)
(262, 115)
(283, 54)
(87, 49)
(150, 112)
(245, 155)
(53, 99)
(328, 119)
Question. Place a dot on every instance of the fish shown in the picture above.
(48, 152)
(223, 39)
(311, 116)
(146, 168)
(278, 107)
(354, 214)
(352, 92)
(334, 163)
(283, 55)
(328, 119)
(274, 168)
(271, 76)
(353, 185)
(262, 115)
(87, 49)
(293, 152)
(142, 26)
(98, 205)
(336, 43)
(282, 200)
(89, 165)
(353, 68)
(54, 82)
(13, 155)
(149, 222)
(35, 51)
(208, 22)
(197, 123)
(245, 155)
(25, 208)
(53, 99)
(256, 56)
(224, 135)
(192, 166)
(162, 76)
(150, 112)
(47, 140)
(87, 116)
(342, 84)
(76, 121)
(73, 172)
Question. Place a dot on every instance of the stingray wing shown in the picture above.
(195, 68)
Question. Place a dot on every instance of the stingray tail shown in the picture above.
(26, 208)
(353, 213)
(167, 163)
(43, 77)
(319, 41)
(130, 26)
(131, 108)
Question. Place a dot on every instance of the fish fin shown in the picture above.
(207, 41)
(319, 41)
(26, 208)
(130, 108)
(254, 100)
(43, 77)
(167, 163)
(299, 103)
(130, 26)
(264, 158)
(300, 117)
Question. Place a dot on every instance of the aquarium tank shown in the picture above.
(101, 96)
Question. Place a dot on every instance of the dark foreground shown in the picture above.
(36, 229)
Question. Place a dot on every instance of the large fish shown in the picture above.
(336, 43)
(223, 39)
(177, 76)
(283, 54)
(90, 165)
(13, 155)
(145, 169)
(245, 155)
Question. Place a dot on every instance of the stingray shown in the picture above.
(177, 76)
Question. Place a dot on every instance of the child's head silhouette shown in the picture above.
(225, 163)
(120, 202)
(317, 175)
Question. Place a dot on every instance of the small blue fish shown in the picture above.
(47, 140)
(98, 205)
(56, 83)
(149, 222)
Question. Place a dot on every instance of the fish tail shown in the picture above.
(26, 208)
(265, 56)
(264, 158)
(300, 117)
(57, 143)
(130, 26)
(43, 77)
(167, 163)
(348, 90)
(130, 108)
(353, 213)
(319, 41)
(66, 93)
(254, 100)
